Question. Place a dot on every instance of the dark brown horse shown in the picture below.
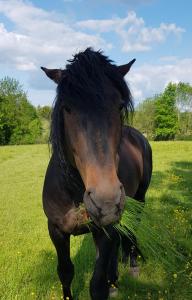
(95, 160)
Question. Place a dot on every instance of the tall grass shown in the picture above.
(153, 238)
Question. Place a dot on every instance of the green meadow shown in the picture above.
(27, 256)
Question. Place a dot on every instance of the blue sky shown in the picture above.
(157, 33)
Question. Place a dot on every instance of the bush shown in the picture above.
(19, 121)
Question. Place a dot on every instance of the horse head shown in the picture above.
(92, 99)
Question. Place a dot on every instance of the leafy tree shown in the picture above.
(144, 117)
(166, 120)
(184, 97)
(19, 122)
(184, 104)
(168, 115)
(44, 112)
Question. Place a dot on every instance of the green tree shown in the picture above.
(144, 117)
(19, 122)
(44, 112)
(166, 119)
(184, 104)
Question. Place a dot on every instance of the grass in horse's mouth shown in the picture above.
(153, 238)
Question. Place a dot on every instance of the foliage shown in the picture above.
(144, 117)
(184, 97)
(152, 238)
(168, 115)
(166, 122)
(162, 117)
(184, 104)
(44, 112)
(19, 122)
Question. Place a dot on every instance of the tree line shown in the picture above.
(20, 121)
(166, 116)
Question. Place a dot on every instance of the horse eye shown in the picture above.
(67, 109)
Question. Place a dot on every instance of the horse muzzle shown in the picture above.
(105, 208)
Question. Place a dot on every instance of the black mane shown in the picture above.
(85, 75)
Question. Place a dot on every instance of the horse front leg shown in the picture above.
(134, 268)
(99, 288)
(113, 267)
(65, 268)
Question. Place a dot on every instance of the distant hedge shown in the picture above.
(166, 116)
(163, 117)
(19, 120)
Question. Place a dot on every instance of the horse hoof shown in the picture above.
(113, 292)
(134, 272)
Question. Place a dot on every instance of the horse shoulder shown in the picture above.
(58, 204)
(131, 160)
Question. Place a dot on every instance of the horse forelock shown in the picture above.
(83, 86)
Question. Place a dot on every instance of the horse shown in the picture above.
(96, 160)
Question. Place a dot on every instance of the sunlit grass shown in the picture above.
(27, 256)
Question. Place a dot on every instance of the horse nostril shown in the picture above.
(121, 187)
(89, 192)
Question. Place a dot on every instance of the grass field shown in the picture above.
(27, 257)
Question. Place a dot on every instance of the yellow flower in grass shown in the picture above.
(174, 178)
(175, 275)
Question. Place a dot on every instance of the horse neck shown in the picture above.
(71, 177)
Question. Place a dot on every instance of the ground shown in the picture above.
(27, 256)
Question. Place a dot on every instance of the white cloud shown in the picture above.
(149, 79)
(113, 24)
(39, 37)
(134, 34)
(168, 58)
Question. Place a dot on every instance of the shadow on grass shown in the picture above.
(42, 276)
(84, 262)
(136, 289)
(183, 170)
(44, 272)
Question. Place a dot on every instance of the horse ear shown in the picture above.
(124, 69)
(53, 74)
